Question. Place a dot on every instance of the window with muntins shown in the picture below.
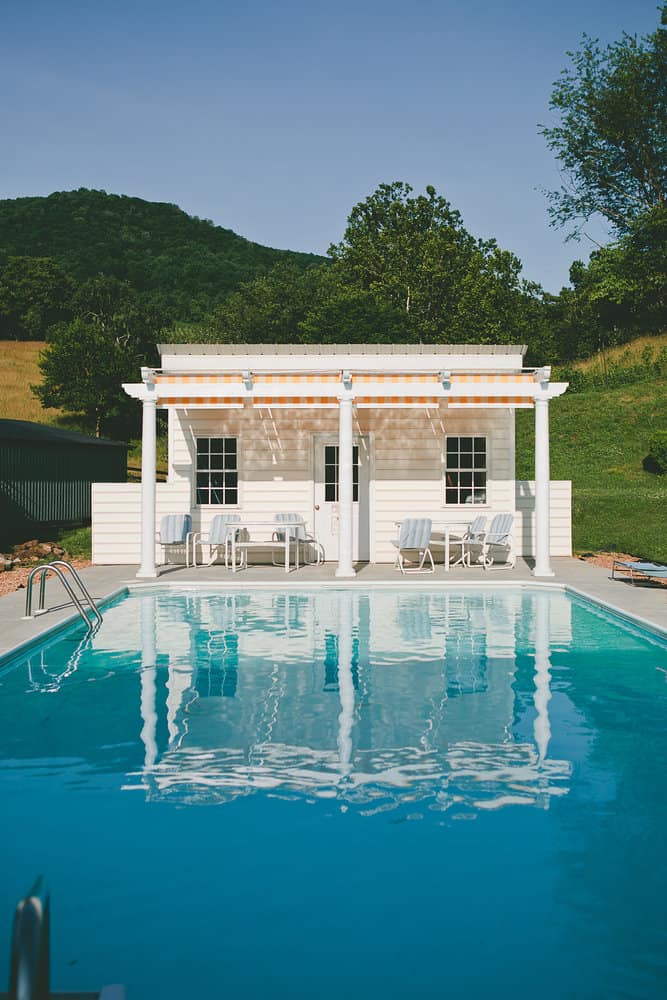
(217, 471)
(465, 470)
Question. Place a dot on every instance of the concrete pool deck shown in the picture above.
(645, 602)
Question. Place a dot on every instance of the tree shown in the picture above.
(35, 293)
(619, 294)
(611, 139)
(88, 359)
(267, 310)
(414, 255)
(343, 312)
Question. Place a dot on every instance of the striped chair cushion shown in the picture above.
(415, 533)
(297, 527)
(174, 528)
(221, 528)
(500, 528)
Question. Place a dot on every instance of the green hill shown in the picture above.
(599, 440)
(188, 263)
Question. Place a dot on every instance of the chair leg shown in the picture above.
(423, 555)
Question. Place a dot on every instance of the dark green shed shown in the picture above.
(46, 474)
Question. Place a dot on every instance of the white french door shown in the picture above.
(326, 519)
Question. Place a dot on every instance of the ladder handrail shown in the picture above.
(82, 587)
(54, 567)
(29, 972)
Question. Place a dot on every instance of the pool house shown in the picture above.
(352, 438)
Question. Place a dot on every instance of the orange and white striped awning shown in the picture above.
(322, 389)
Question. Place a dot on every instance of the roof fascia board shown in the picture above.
(408, 363)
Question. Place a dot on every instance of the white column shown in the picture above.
(542, 475)
(147, 569)
(345, 509)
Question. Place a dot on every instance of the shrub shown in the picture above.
(657, 451)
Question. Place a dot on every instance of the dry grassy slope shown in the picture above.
(625, 355)
(18, 371)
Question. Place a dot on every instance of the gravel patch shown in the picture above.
(15, 579)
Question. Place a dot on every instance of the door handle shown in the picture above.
(317, 506)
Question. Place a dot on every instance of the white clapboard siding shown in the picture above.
(276, 473)
(560, 536)
(116, 518)
(409, 467)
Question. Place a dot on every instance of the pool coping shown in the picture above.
(135, 586)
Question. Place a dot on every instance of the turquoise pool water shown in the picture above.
(369, 794)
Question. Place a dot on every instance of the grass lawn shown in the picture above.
(598, 440)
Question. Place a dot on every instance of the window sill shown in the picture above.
(217, 506)
(460, 507)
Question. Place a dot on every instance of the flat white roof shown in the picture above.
(317, 350)
(201, 358)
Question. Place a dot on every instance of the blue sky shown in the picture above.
(274, 119)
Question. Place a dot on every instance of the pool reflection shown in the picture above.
(373, 700)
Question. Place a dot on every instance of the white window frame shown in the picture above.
(210, 470)
(486, 470)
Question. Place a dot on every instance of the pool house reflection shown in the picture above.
(315, 694)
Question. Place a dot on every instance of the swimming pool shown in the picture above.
(386, 793)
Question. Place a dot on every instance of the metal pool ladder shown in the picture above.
(30, 974)
(60, 568)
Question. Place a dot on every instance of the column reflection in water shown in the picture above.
(148, 611)
(345, 682)
(542, 696)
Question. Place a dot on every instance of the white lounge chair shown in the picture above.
(220, 532)
(412, 545)
(175, 531)
(295, 526)
(494, 546)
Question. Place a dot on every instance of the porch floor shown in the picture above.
(644, 600)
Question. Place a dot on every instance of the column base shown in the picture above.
(345, 574)
(147, 574)
(543, 572)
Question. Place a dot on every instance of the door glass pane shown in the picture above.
(331, 473)
(355, 474)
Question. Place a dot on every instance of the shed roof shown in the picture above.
(33, 433)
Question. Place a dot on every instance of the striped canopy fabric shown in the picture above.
(174, 528)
